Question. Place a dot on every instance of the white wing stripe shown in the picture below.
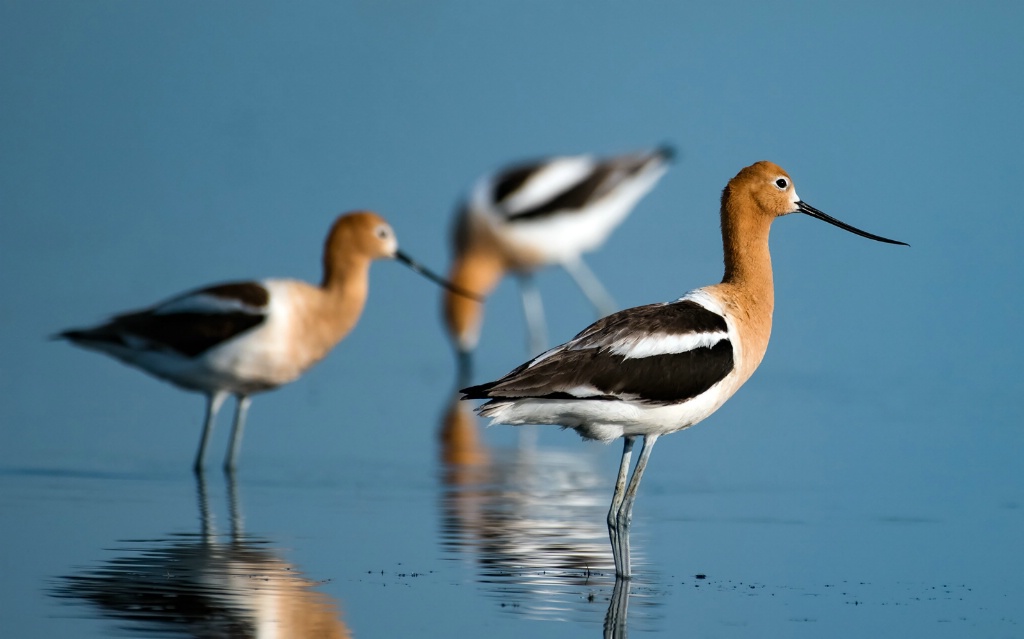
(558, 176)
(666, 344)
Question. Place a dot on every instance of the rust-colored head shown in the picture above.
(358, 236)
(478, 265)
(757, 195)
(355, 240)
(479, 273)
(764, 190)
(761, 189)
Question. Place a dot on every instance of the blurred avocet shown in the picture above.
(242, 338)
(535, 214)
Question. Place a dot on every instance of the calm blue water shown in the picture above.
(504, 540)
(866, 482)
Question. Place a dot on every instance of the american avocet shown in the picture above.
(652, 370)
(242, 338)
(530, 215)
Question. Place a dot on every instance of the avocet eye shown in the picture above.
(383, 232)
(782, 183)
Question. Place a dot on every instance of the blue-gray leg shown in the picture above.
(620, 518)
(213, 403)
(591, 286)
(533, 309)
(614, 532)
(231, 461)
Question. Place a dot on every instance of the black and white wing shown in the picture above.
(189, 324)
(655, 354)
(539, 189)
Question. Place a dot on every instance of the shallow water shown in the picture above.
(500, 539)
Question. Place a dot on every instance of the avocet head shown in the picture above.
(361, 235)
(763, 188)
(770, 190)
(365, 236)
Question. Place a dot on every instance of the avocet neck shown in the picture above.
(747, 290)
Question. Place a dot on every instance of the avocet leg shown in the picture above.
(591, 286)
(614, 532)
(213, 404)
(533, 309)
(625, 515)
(231, 461)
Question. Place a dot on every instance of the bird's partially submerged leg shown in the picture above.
(591, 286)
(231, 461)
(213, 404)
(533, 309)
(621, 514)
(620, 554)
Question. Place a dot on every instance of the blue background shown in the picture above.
(147, 148)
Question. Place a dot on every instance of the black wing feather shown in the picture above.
(188, 333)
(588, 361)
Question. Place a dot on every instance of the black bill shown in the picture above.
(430, 275)
(804, 207)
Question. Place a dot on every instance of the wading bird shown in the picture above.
(242, 338)
(527, 216)
(656, 369)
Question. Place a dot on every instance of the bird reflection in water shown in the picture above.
(206, 585)
(530, 521)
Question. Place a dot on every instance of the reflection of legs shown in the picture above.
(231, 461)
(235, 509)
(591, 286)
(533, 308)
(205, 522)
(614, 532)
(213, 404)
(618, 606)
(621, 515)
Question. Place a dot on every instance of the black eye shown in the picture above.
(382, 233)
(782, 183)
